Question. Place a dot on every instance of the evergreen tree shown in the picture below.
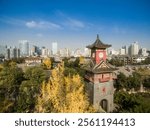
(10, 79)
(121, 82)
(29, 89)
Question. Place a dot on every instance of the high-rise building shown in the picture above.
(12, 53)
(45, 52)
(129, 50)
(16, 52)
(122, 51)
(7, 55)
(3, 50)
(24, 48)
(54, 48)
(126, 49)
(34, 50)
(134, 49)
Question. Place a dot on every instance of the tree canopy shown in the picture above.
(29, 89)
(63, 94)
(136, 103)
(47, 63)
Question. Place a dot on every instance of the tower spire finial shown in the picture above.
(97, 36)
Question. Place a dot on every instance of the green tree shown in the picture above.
(144, 74)
(135, 81)
(10, 79)
(73, 67)
(27, 97)
(35, 74)
(126, 102)
(29, 89)
(116, 62)
(146, 61)
(10, 76)
(70, 71)
(121, 81)
(146, 82)
(132, 102)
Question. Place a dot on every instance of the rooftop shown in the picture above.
(102, 67)
(98, 44)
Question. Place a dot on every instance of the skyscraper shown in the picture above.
(45, 52)
(122, 51)
(134, 49)
(126, 49)
(3, 50)
(34, 50)
(12, 53)
(54, 48)
(24, 48)
(7, 56)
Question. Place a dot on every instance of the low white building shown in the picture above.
(139, 59)
(33, 61)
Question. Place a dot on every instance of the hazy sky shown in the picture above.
(75, 23)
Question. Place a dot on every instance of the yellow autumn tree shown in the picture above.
(63, 94)
(81, 60)
(47, 63)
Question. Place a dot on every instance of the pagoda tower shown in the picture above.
(99, 77)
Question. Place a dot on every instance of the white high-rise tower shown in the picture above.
(24, 48)
(54, 48)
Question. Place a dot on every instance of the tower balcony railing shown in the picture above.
(104, 79)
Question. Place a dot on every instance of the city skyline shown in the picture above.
(75, 23)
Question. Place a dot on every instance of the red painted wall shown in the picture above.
(98, 59)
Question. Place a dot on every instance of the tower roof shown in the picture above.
(98, 44)
(102, 67)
